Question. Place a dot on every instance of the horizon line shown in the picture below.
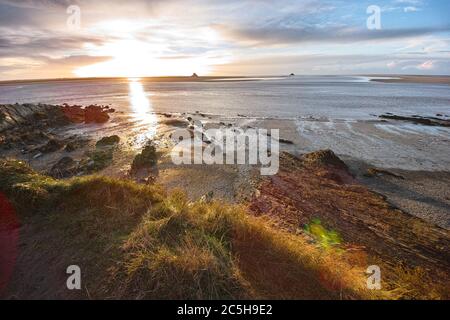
(199, 78)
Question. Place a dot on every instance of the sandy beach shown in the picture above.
(413, 79)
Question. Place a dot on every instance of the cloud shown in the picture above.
(273, 35)
(427, 65)
(38, 3)
(391, 64)
(411, 9)
(29, 41)
(333, 64)
(247, 36)
(45, 67)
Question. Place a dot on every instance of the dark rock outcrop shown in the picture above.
(51, 146)
(108, 141)
(305, 190)
(324, 157)
(65, 167)
(427, 121)
(146, 159)
(76, 143)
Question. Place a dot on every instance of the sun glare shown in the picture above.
(132, 58)
(141, 49)
(142, 109)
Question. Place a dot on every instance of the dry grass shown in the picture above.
(136, 241)
(213, 250)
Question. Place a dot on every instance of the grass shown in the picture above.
(137, 241)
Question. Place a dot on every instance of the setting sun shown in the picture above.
(133, 57)
(231, 150)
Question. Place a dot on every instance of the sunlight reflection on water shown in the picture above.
(142, 109)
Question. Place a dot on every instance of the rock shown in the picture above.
(98, 160)
(95, 114)
(90, 114)
(40, 115)
(51, 146)
(207, 197)
(299, 194)
(285, 141)
(146, 159)
(38, 155)
(427, 121)
(181, 123)
(375, 172)
(324, 157)
(74, 113)
(76, 144)
(65, 167)
(108, 141)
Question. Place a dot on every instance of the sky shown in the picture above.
(41, 39)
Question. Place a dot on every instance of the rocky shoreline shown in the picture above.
(317, 194)
(37, 133)
(319, 186)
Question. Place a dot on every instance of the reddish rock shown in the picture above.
(74, 113)
(320, 186)
(89, 114)
(95, 114)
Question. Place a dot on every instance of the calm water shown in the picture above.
(330, 97)
(326, 112)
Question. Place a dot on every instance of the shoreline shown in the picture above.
(428, 202)
(145, 79)
(412, 79)
(385, 78)
(318, 200)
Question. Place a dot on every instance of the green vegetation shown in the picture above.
(108, 141)
(326, 238)
(99, 159)
(137, 241)
(102, 156)
(146, 159)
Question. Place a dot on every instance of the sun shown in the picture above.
(132, 58)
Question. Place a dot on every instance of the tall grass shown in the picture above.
(137, 241)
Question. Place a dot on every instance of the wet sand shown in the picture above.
(423, 194)
(413, 79)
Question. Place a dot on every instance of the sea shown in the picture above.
(336, 112)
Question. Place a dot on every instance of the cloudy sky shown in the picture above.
(48, 39)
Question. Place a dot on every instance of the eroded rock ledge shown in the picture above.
(319, 186)
(26, 126)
